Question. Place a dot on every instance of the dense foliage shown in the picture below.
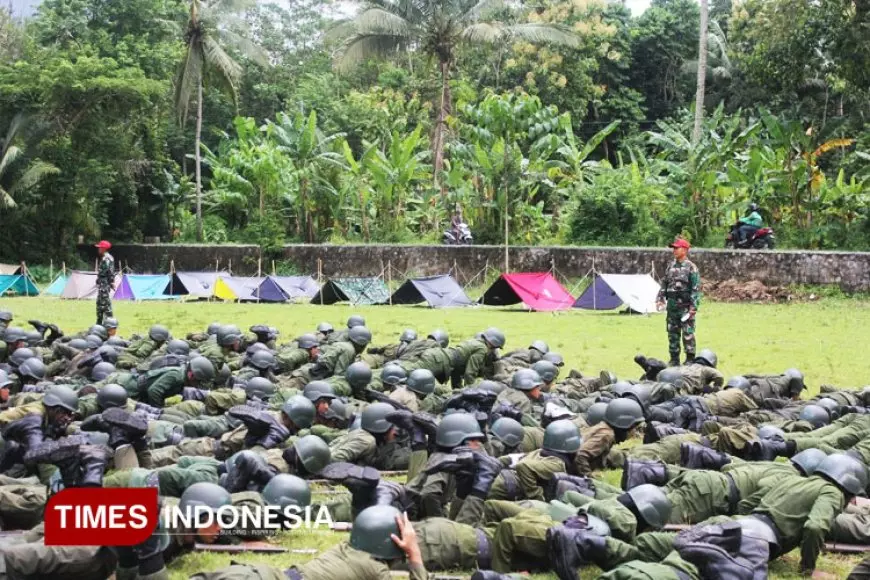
(560, 121)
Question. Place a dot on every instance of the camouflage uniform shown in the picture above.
(681, 288)
(105, 279)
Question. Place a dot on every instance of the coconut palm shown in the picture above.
(212, 29)
(436, 28)
(16, 176)
(702, 74)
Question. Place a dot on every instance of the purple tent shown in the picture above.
(283, 288)
(436, 291)
(638, 292)
(142, 287)
(599, 296)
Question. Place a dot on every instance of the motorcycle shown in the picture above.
(761, 239)
(462, 237)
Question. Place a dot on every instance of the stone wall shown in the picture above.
(849, 270)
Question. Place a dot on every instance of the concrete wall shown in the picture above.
(849, 270)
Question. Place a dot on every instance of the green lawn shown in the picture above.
(825, 339)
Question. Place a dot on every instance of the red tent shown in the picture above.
(538, 291)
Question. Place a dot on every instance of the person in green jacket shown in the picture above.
(749, 223)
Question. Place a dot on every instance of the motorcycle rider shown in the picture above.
(749, 224)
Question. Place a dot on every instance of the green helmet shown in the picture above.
(547, 370)
(313, 453)
(652, 504)
(846, 472)
(595, 413)
(307, 341)
(102, 370)
(709, 357)
(33, 338)
(111, 395)
(110, 323)
(61, 396)
(32, 368)
(832, 406)
(808, 460)
(562, 436)
(14, 334)
(408, 335)
(440, 336)
(337, 410)
(508, 431)
(325, 328)
(456, 428)
(670, 375)
(77, 343)
(526, 380)
(640, 393)
(555, 358)
(213, 328)
(228, 335)
(259, 388)
(738, 382)
(262, 360)
(5, 316)
(393, 375)
(299, 410)
(621, 388)
(771, 433)
(494, 337)
(202, 369)
(815, 415)
(17, 358)
(359, 335)
(204, 494)
(358, 374)
(99, 330)
(178, 347)
(285, 490)
(491, 386)
(540, 346)
(316, 390)
(795, 381)
(356, 320)
(422, 381)
(159, 333)
(373, 531)
(623, 413)
(374, 418)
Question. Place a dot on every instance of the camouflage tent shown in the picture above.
(364, 291)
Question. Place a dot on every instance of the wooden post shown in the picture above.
(230, 266)
(172, 277)
(51, 270)
(63, 268)
(259, 267)
(506, 241)
(390, 280)
(273, 268)
(320, 278)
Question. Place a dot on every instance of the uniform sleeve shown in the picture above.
(417, 572)
(695, 287)
(345, 358)
(714, 377)
(352, 449)
(597, 443)
(474, 367)
(827, 506)
(166, 385)
(533, 471)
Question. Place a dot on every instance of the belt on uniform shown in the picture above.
(293, 574)
(733, 495)
(511, 484)
(484, 554)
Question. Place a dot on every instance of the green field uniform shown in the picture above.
(697, 379)
(470, 362)
(173, 479)
(138, 351)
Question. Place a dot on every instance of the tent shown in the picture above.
(142, 287)
(18, 285)
(608, 291)
(10, 269)
(437, 291)
(237, 288)
(363, 291)
(83, 286)
(538, 291)
(282, 288)
(193, 284)
(56, 287)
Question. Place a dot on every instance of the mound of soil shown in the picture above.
(752, 291)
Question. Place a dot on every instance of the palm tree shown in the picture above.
(702, 74)
(15, 179)
(437, 28)
(211, 30)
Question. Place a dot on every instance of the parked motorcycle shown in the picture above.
(461, 237)
(762, 239)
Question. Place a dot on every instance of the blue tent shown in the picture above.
(56, 287)
(142, 287)
(18, 285)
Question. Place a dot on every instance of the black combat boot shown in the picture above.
(637, 472)
(765, 449)
(675, 359)
(93, 461)
(699, 457)
(568, 549)
(125, 428)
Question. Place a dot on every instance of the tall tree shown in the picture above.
(212, 28)
(17, 174)
(436, 28)
(702, 74)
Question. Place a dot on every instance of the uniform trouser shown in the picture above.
(673, 567)
(243, 572)
(221, 448)
(207, 426)
(732, 440)
(852, 526)
(520, 537)
(834, 442)
(676, 327)
(697, 495)
(172, 480)
(666, 450)
(21, 506)
(31, 558)
(447, 545)
(104, 302)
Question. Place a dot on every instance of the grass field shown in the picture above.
(825, 339)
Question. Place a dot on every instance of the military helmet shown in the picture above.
(61, 396)
(440, 336)
(562, 436)
(815, 415)
(738, 382)
(33, 368)
(94, 341)
(5, 316)
(393, 375)
(640, 393)
(623, 413)
(259, 388)
(757, 529)
(670, 375)
(116, 341)
(202, 369)
(555, 358)
(620, 388)
(508, 431)
(355, 320)
(178, 347)
(213, 328)
(325, 328)
(771, 433)
(78, 344)
(494, 337)
(456, 428)
(846, 472)
(223, 375)
(204, 494)
(108, 354)
(421, 381)
(228, 335)
(491, 386)
(110, 323)
(373, 531)
(795, 382)
(262, 360)
(359, 335)
(299, 410)
(32, 337)
(307, 341)
(316, 390)
(652, 504)
(313, 453)
(526, 380)
(709, 357)
(5, 381)
(99, 330)
(540, 346)
(408, 335)
(14, 334)
(111, 395)
(286, 490)
(374, 418)
(337, 410)
(547, 370)
(595, 413)
(830, 405)
(19, 356)
(808, 460)
(358, 374)
(159, 333)
(101, 370)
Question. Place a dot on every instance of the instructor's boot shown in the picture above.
(675, 359)
(568, 549)
(637, 472)
(690, 356)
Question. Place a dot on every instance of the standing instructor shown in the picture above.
(105, 281)
(681, 291)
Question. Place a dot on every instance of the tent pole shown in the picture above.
(390, 280)
(594, 285)
(273, 268)
(259, 267)
(51, 270)
(230, 266)
(320, 278)
(63, 268)
(172, 277)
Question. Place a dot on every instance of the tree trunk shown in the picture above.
(441, 123)
(198, 162)
(702, 75)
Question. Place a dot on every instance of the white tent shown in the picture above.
(609, 291)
